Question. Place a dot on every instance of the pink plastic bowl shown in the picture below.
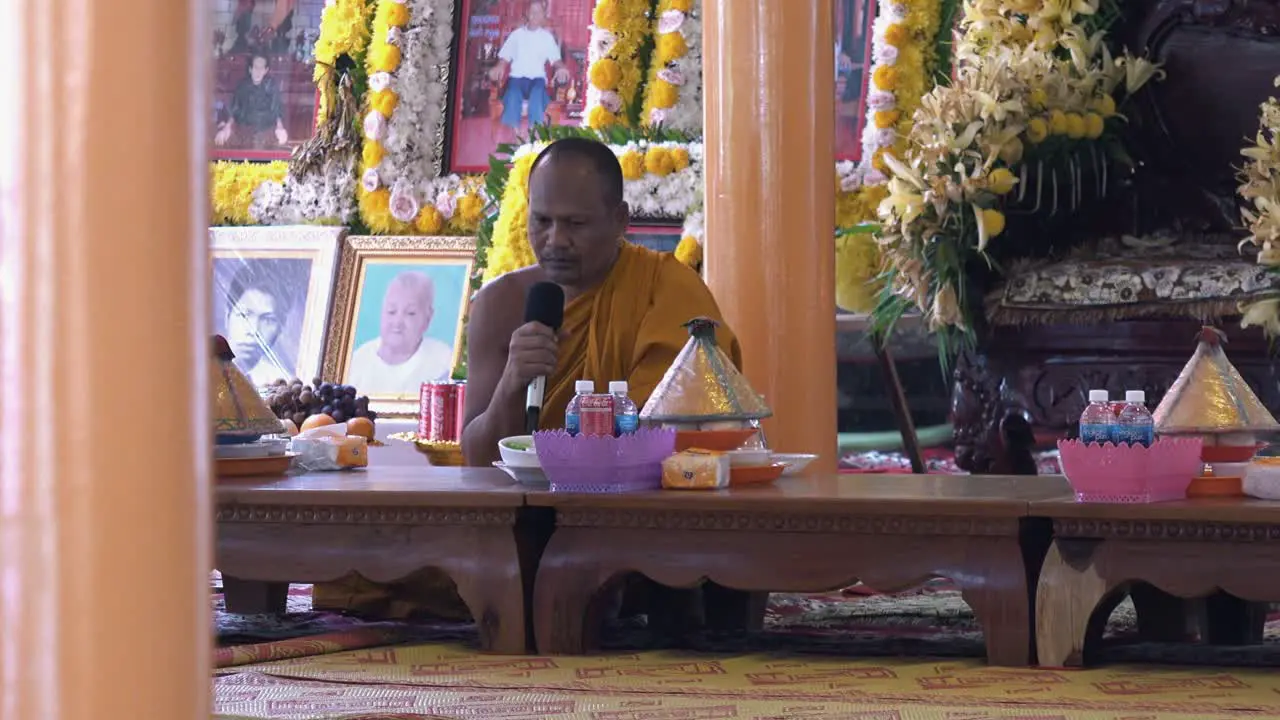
(604, 464)
(1131, 473)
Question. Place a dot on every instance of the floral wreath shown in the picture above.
(1260, 188)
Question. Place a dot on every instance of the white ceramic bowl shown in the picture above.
(530, 477)
(749, 458)
(518, 452)
(1236, 470)
(795, 462)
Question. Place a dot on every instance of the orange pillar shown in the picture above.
(104, 433)
(769, 79)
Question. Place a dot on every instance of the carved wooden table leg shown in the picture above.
(1000, 595)
(490, 582)
(1228, 620)
(1067, 595)
(254, 597)
(569, 598)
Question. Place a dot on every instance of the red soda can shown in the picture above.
(424, 410)
(461, 422)
(444, 411)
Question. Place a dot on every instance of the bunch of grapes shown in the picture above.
(297, 402)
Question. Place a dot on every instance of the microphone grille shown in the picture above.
(545, 304)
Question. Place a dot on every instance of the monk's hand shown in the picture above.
(532, 353)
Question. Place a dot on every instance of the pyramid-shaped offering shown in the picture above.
(239, 413)
(1210, 396)
(702, 385)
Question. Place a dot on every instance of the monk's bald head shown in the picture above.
(576, 212)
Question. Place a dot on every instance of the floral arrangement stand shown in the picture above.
(1117, 312)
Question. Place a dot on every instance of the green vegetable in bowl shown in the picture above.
(520, 444)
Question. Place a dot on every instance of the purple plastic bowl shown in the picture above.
(604, 464)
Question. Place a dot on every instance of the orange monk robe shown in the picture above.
(631, 327)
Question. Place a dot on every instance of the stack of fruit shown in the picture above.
(303, 407)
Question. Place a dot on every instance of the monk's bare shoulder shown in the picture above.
(498, 306)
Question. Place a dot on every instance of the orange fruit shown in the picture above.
(361, 426)
(316, 421)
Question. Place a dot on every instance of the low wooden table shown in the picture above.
(385, 524)
(1162, 555)
(802, 535)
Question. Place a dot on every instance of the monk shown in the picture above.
(625, 306)
(624, 314)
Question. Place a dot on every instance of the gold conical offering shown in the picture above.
(239, 414)
(1210, 396)
(702, 385)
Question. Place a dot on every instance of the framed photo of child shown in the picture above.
(398, 316)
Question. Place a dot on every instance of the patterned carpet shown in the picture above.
(910, 656)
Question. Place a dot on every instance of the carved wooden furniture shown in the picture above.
(385, 524)
(1061, 327)
(890, 532)
(1163, 555)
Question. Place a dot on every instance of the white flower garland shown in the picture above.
(685, 72)
(327, 197)
(883, 54)
(412, 135)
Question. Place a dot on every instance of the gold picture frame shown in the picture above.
(383, 284)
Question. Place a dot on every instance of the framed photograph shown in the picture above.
(663, 238)
(397, 318)
(271, 294)
(519, 63)
(854, 19)
(264, 98)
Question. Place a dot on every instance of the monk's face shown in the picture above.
(573, 229)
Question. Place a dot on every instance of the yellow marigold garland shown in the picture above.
(344, 30)
(660, 93)
(616, 75)
(383, 57)
(511, 250)
(231, 188)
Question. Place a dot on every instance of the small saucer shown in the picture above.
(758, 475)
(530, 477)
(795, 462)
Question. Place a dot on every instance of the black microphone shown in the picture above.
(544, 304)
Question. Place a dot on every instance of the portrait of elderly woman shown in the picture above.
(406, 328)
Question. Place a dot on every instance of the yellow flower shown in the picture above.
(429, 221)
(605, 74)
(632, 165)
(689, 251)
(384, 58)
(679, 158)
(1075, 126)
(372, 152)
(1037, 130)
(599, 118)
(396, 14)
(1094, 125)
(232, 185)
(887, 118)
(470, 208)
(683, 6)
(1011, 151)
(606, 15)
(1039, 98)
(886, 77)
(1104, 105)
(1001, 181)
(657, 160)
(375, 208)
(993, 222)
(663, 94)
(1058, 122)
(671, 46)
(384, 101)
(896, 34)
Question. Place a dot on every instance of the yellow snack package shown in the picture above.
(696, 470)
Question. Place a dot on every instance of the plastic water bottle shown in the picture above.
(572, 414)
(1135, 426)
(1097, 422)
(626, 416)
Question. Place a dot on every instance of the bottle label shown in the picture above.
(626, 424)
(1134, 434)
(1095, 433)
(572, 423)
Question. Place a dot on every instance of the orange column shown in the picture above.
(104, 433)
(769, 79)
